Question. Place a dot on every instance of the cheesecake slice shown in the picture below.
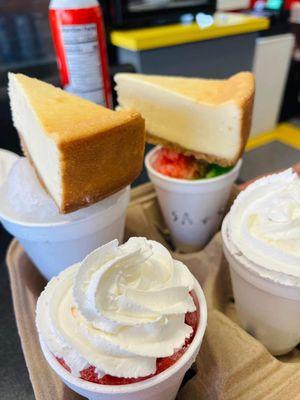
(207, 118)
(82, 152)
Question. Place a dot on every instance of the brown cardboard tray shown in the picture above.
(231, 365)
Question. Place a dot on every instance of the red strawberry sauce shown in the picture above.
(175, 165)
(88, 374)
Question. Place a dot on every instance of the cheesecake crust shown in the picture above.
(115, 159)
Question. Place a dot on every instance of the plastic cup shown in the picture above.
(267, 309)
(163, 386)
(192, 209)
(55, 246)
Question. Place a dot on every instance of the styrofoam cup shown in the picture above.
(192, 209)
(55, 246)
(267, 309)
(163, 386)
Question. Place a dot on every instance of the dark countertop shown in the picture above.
(14, 378)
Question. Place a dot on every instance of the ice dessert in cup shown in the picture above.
(125, 323)
(193, 195)
(261, 238)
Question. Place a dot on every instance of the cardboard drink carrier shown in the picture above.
(231, 365)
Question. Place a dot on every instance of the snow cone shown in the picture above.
(193, 195)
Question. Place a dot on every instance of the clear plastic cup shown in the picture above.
(55, 246)
(163, 386)
(192, 209)
(267, 309)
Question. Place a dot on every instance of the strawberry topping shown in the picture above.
(176, 165)
(89, 374)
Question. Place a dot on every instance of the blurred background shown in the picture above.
(204, 38)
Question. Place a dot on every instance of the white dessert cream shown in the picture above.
(263, 227)
(118, 310)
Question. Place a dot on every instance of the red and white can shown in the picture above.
(79, 40)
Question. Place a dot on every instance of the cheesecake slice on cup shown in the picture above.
(81, 152)
(207, 118)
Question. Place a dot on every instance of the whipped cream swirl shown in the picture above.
(264, 227)
(118, 310)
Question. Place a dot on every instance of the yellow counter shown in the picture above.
(285, 133)
(171, 35)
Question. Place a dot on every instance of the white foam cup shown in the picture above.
(55, 246)
(267, 309)
(192, 209)
(163, 386)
